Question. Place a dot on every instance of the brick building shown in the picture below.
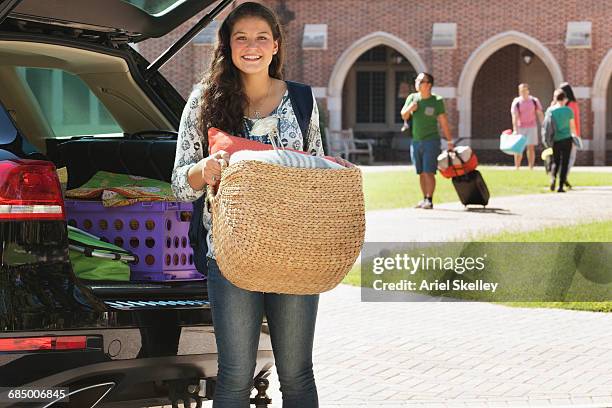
(361, 58)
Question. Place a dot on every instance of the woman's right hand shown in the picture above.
(212, 167)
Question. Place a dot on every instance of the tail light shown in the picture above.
(30, 190)
(53, 343)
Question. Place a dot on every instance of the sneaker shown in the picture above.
(553, 182)
(561, 190)
(428, 205)
(568, 185)
(421, 203)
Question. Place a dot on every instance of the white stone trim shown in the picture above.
(319, 92)
(578, 34)
(448, 92)
(481, 55)
(444, 36)
(582, 92)
(334, 107)
(348, 58)
(313, 32)
(334, 103)
(599, 101)
(598, 104)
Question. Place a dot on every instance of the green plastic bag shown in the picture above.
(93, 259)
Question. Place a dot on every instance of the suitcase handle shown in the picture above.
(450, 162)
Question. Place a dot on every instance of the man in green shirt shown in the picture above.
(427, 111)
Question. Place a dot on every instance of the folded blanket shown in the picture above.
(285, 158)
(117, 190)
(220, 140)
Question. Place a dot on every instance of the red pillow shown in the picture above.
(219, 140)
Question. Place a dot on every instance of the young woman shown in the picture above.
(244, 85)
(565, 127)
(573, 105)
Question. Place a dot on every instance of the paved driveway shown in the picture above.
(459, 354)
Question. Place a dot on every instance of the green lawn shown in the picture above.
(591, 232)
(600, 231)
(537, 278)
(397, 189)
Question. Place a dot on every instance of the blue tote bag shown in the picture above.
(512, 143)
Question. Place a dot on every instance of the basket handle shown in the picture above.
(210, 196)
(210, 191)
(102, 253)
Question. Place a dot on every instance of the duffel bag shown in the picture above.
(457, 162)
(93, 259)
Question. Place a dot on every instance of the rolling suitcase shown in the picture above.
(471, 189)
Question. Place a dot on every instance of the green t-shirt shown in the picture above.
(425, 118)
(562, 115)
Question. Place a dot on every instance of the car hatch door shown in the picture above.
(137, 19)
(184, 40)
(6, 6)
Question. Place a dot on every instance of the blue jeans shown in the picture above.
(237, 318)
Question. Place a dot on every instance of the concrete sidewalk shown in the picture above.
(451, 221)
(464, 354)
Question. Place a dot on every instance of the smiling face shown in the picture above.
(253, 45)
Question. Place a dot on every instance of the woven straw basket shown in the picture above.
(287, 230)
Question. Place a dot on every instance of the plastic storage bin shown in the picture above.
(156, 232)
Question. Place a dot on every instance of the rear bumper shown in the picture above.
(142, 380)
(141, 364)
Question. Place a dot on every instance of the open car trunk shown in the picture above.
(144, 116)
(165, 243)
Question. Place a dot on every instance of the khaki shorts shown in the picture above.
(531, 134)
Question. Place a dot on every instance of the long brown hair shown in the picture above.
(223, 99)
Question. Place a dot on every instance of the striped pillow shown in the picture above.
(285, 158)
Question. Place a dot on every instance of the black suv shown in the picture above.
(75, 93)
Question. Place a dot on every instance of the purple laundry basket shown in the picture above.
(155, 231)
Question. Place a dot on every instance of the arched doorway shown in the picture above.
(481, 55)
(494, 89)
(349, 58)
(375, 90)
(602, 112)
